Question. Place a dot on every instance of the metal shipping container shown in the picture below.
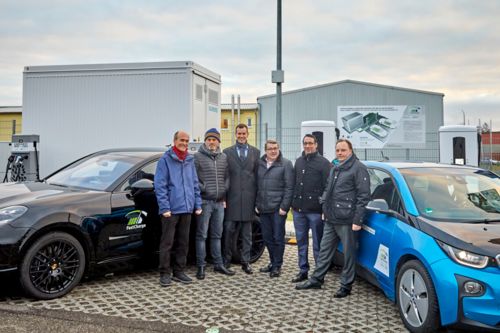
(78, 109)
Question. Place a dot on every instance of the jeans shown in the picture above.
(332, 235)
(302, 222)
(273, 232)
(234, 229)
(212, 218)
(174, 228)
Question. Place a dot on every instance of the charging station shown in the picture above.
(23, 162)
(325, 133)
(459, 144)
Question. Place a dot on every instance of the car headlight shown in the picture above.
(465, 258)
(11, 213)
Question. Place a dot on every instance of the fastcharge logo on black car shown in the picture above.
(135, 219)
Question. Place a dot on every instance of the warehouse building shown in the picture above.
(382, 121)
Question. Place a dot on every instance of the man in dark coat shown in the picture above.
(213, 175)
(344, 203)
(311, 174)
(274, 196)
(243, 160)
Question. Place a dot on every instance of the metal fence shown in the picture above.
(291, 147)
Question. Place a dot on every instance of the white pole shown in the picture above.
(491, 141)
(232, 120)
(239, 109)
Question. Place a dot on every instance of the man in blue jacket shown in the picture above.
(178, 195)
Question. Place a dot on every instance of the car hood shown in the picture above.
(480, 238)
(31, 193)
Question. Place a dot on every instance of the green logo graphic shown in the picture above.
(135, 219)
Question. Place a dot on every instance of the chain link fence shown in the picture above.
(291, 147)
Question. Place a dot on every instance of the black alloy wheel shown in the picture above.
(52, 266)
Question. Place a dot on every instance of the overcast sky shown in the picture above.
(447, 46)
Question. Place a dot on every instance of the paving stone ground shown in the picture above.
(252, 303)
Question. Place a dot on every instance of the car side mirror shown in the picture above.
(140, 186)
(143, 184)
(378, 205)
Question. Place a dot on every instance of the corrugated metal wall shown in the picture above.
(75, 113)
(321, 102)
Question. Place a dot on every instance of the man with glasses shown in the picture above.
(311, 174)
(274, 196)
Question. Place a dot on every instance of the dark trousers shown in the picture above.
(237, 229)
(332, 235)
(174, 230)
(303, 222)
(273, 232)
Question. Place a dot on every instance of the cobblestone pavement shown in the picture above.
(253, 303)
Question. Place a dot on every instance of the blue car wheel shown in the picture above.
(416, 298)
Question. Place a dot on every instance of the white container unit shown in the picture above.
(79, 109)
(458, 144)
(324, 131)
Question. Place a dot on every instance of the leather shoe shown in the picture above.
(275, 273)
(302, 276)
(200, 274)
(247, 268)
(308, 285)
(342, 292)
(223, 270)
(165, 280)
(182, 278)
(266, 269)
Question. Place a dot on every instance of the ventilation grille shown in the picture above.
(199, 92)
(213, 97)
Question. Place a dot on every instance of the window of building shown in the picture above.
(224, 123)
(249, 122)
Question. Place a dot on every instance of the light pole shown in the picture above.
(278, 77)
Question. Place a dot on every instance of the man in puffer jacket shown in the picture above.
(213, 175)
(344, 200)
(275, 180)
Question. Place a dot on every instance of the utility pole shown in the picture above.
(278, 77)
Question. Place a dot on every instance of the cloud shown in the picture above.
(448, 46)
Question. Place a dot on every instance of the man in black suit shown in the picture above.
(240, 199)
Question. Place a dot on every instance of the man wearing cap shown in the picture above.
(243, 162)
(213, 175)
(178, 195)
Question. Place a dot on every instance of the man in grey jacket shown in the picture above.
(243, 160)
(275, 180)
(344, 200)
(213, 176)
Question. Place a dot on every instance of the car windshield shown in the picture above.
(455, 194)
(94, 173)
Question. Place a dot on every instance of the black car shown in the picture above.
(98, 211)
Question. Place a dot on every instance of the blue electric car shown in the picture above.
(431, 242)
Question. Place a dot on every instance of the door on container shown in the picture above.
(213, 105)
(459, 150)
(200, 104)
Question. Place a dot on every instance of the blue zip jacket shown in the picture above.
(176, 184)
